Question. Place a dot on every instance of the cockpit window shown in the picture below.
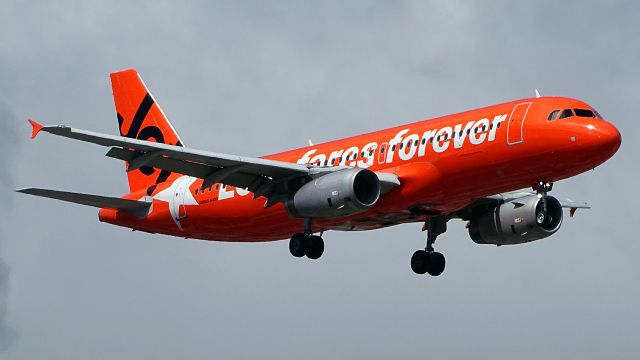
(597, 114)
(553, 115)
(584, 113)
(566, 113)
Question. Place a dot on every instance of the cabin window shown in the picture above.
(566, 113)
(553, 115)
(584, 113)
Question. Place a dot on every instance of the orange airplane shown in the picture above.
(469, 166)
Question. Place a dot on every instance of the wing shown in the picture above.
(263, 177)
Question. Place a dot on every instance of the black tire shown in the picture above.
(420, 262)
(299, 245)
(315, 248)
(436, 264)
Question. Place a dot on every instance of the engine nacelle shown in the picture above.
(335, 194)
(517, 221)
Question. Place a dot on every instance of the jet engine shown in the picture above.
(517, 221)
(339, 193)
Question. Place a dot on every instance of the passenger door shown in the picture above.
(382, 153)
(516, 123)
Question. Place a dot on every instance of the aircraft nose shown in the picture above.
(607, 137)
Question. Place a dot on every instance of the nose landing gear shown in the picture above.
(428, 260)
(542, 188)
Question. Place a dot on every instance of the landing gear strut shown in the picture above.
(428, 260)
(543, 188)
(306, 243)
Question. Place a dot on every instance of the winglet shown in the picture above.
(36, 127)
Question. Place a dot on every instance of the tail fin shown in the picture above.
(140, 117)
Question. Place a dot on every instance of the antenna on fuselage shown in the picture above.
(310, 142)
(537, 93)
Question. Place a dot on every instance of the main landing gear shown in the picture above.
(428, 260)
(306, 244)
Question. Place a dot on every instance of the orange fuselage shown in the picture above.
(443, 165)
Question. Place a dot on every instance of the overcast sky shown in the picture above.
(259, 77)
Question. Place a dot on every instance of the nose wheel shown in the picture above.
(428, 260)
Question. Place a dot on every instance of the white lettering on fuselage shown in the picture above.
(409, 146)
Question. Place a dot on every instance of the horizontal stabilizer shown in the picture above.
(90, 200)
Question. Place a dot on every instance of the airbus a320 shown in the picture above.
(470, 166)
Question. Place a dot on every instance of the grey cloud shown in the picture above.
(260, 77)
(8, 145)
(8, 335)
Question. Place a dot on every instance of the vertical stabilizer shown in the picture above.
(140, 117)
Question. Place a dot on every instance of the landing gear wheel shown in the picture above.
(298, 245)
(420, 262)
(315, 247)
(436, 264)
(428, 260)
